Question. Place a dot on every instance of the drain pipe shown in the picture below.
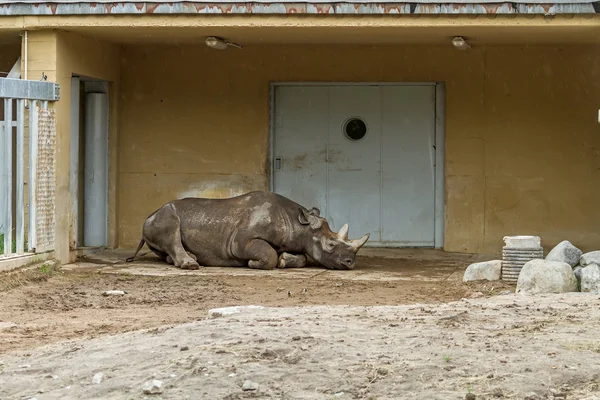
(25, 56)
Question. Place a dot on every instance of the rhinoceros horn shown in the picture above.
(343, 233)
(358, 243)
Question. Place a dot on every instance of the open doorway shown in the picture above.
(89, 162)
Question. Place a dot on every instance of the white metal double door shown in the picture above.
(382, 183)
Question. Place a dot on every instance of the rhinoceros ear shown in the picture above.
(306, 218)
(315, 211)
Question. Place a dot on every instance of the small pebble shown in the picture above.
(152, 387)
(113, 293)
(249, 386)
(97, 379)
(184, 348)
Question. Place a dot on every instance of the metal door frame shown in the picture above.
(440, 134)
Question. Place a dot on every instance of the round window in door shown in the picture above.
(355, 129)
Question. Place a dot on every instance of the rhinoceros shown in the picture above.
(261, 230)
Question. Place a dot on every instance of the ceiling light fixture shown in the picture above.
(460, 43)
(219, 44)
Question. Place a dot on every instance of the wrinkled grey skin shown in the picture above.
(260, 230)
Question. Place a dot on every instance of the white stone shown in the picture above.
(97, 379)
(487, 270)
(590, 279)
(565, 252)
(523, 242)
(113, 293)
(541, 276)
(592, 257)
(249, 385)
(152, 387)
(224, 311)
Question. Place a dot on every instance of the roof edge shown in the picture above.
(326, 8)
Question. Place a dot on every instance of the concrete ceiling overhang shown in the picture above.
(253, 36)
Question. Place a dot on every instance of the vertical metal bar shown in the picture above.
(20, 207)
(8, 177)
(44, 104)
(32, 181)
(3, 179)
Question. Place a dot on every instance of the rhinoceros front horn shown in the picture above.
(358, 243)
(343, 233)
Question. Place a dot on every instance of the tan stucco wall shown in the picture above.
(522, 140)
(60, 55)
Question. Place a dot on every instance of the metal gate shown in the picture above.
(27, 166)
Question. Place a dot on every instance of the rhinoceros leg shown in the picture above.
(288, 260)
(163, 234)
(169, 260)
(260, 255)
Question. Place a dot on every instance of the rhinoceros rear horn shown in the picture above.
(343, 233)
(357, 244)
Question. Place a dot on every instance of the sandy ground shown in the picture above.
(501, 347)
(392, 330)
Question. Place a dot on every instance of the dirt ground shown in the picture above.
(39, 308)
(391, 329)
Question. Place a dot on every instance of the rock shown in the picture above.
(522, 242)
(97, 379)
(470, 396)
(489, 270)
(152, 387)
(226, 311)
(592, 257)
(249, 386)
(577, 272)
(476, 295)
(590, 279)
(541, 276)
(565, 252)
(184, 348)
(113, 293)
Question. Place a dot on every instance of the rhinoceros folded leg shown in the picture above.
(288, 260)
(163, 234)
(169, 260)
(260, 255)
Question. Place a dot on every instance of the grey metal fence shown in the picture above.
(27, 166)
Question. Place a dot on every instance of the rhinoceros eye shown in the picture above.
(329, 246)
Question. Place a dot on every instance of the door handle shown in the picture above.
(278, 163)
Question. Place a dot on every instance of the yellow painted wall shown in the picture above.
(60, 55)
(522, 140)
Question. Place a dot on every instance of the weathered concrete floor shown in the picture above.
(372, 265)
